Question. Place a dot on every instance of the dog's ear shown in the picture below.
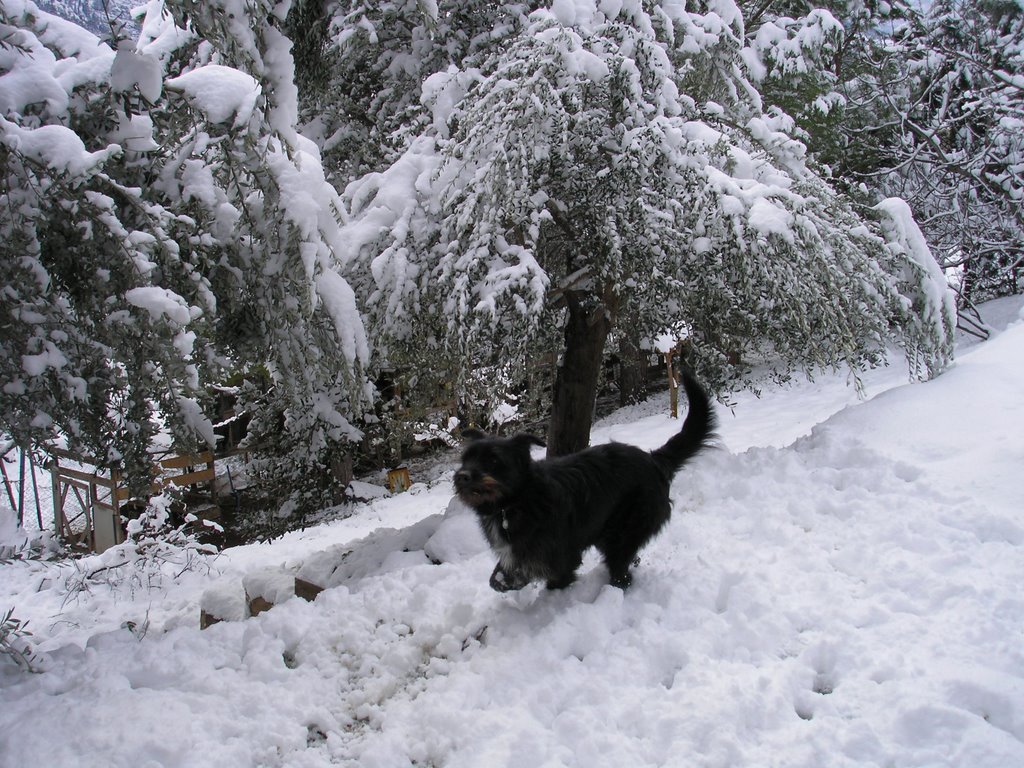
(473, 435)
(526, 440)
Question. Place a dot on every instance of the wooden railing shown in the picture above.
(189, 475)
(88, 505)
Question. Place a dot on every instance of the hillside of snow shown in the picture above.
(840, 585)
(95, 15)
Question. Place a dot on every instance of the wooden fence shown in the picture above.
(89, 503)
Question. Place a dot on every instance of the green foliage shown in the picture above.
(15, 645)
(156, 240)
(625, 163)
(89, 260)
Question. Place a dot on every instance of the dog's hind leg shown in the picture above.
(619, 553)
(621, 576)
(565, 574)
(621, 543)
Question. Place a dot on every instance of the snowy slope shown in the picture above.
(839, 586)
(94, 15)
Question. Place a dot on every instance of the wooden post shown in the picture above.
(96, 539)
(399, 480)
(58, 500)
(673, 384)
(35, 490)
(21, 488)
(7, 482)
(212, 470)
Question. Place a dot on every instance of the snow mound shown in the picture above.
(225, 601)
(221, 93)
(449, 538)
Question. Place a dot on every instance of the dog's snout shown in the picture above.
(463, 476)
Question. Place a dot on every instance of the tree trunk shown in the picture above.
(632, 368)
(575, 389)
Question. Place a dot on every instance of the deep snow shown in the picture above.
(840, 585)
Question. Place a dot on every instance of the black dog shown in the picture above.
(541, 516)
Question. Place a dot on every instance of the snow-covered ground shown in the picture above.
(840, 585)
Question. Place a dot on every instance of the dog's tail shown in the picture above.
(697, 432)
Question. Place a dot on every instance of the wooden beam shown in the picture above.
(88, 477)
(58, 501)
(187, 478)
(182, 462)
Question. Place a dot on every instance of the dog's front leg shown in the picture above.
(503, 580)
(562, 581)
(564, 574)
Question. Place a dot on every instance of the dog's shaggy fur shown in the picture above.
(541, 516)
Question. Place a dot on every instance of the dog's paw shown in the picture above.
(623, 581)
(503, 581)
(561, 582)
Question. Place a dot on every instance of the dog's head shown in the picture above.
(493, 468)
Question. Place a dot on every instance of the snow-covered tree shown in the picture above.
(933, 113)
(102, 295)
(614, 161)
(289, 309)
(962, 167)
(163, 223)
(361, 66)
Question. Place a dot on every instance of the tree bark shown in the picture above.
(632, 368)
(575, 388)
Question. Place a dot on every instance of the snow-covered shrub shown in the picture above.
(15, 645)
(156, 549)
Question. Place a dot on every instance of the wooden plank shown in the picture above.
(68, 483)
(65, 454)
(182, 462)
(58, 499)
(307, 590)
(188, 478)
(89, 477)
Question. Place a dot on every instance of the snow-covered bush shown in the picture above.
(157, 549)
(14, 643)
